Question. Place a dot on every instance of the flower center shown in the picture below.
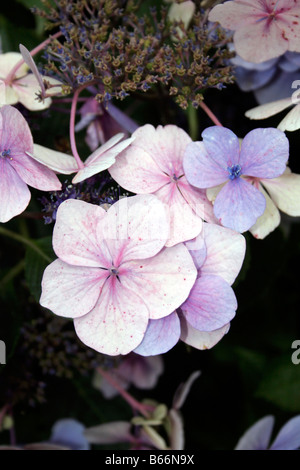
(234, 171)
(113, 271)
(5, 153)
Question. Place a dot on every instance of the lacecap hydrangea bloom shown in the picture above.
(264, 29)
(203, 319)
(113, 272)
(218, 160)
(18, 169)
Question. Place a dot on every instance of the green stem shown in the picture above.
(192, 117)
(12, 273)
(25, 241)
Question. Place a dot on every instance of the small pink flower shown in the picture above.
(113, 273)
(264, 29)
(23, 87)
(153, 164)
(142, 372)
(17, 168)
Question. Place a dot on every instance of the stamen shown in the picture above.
(234, 171)
(5, 153)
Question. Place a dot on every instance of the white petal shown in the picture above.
(269, 109)
(56, 161)
(270, 219)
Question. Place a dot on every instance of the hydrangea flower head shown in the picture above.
(218, 159)
(113, 272)
(153, 164)
(17, 168)
(264, 29)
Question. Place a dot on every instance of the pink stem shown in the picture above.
(34, 51)
(127, 397)
(210, 114)
(72, 128)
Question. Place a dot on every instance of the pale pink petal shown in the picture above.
(285, 192)
(164, 280)
(137, 172)
(197, 250)
(211, 303)
(135, 228)
(236, 14)
(183, 390)
(165, 145)
(257, 43)
(8, 95)
(14, 193)
(101, 160)
(28, 90)
(56, 161)
(14, 131)
(225, 252)
(161, 336)
(34, 173)
(200, 339)
(75, 237)
(291, 122)
(184, 223)
(7, 63)
(109, 145)
(267, 222)
(269, 109)
(117, 323)
(71, 291)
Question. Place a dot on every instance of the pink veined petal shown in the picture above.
(285, 192)
(211, 303)
(269, 109)
(200, 169)
(184, 223)
(222, 146)
(7, 63)
(98, 162)
(161, 336)
(136, 227)
(76, 239)
(291, 122)
(264, 153)
(258, 436)
(14, 193)
(258, 42)
(164, 281)
(198, 200)
(270, 219)
(165, 145)
(15, 134)
(56, 161)
(290, 25)
(225, 252)
(34, 173)
(71, 291)
(200, 339)
(137, 172)
(238, 205)
(27, 89)
(235, 14)
(117, 323)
